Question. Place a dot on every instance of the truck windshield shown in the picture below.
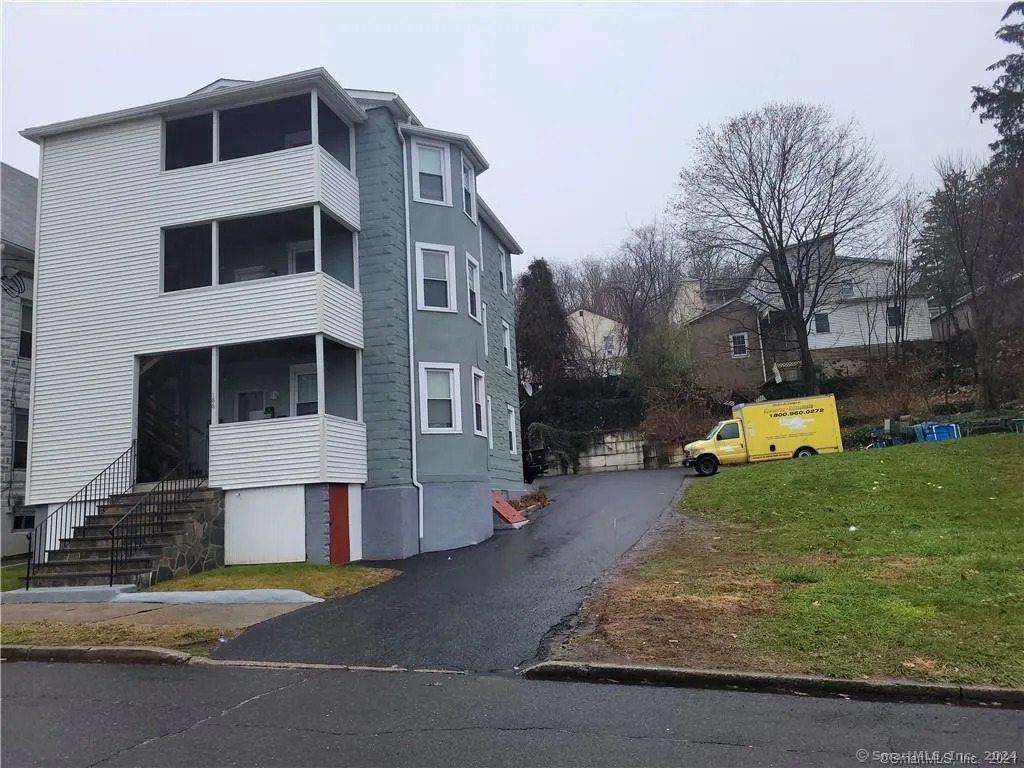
(711, 432)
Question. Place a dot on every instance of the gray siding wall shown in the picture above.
(382, 282)
(506, 469)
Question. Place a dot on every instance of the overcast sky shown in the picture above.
(585, 112)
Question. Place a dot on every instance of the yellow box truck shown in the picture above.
(772, 429)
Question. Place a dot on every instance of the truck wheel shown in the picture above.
(803, 453)
(706, 465)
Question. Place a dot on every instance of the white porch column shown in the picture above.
(317, 258)
(215, 252)
(214, 385)
(321, 390)
(359, 385)
(314, 117)
(216, 135)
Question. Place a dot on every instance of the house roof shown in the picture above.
(475, 155)
(218, 94)
(1009, 280)
(17, 208)
(719, 308)
(388, 99)
(492, 221)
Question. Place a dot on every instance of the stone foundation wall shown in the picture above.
(201, 546)
(627, 450)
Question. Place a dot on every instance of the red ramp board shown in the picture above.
(505, 511)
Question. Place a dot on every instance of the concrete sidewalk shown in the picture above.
(225, 616)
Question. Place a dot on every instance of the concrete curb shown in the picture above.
(893, 690)
(110, 654)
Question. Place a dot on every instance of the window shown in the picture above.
(436, 287)
(479, 399)
(304, 396)
(473, 287)
(440, 403)
(468, 190)
(502, 267)
(301, 257)
(486, 331)
(506, 344)
(431, 181)
(821, 322)
(25, 341)
(609, 345)
(846, 289)
(490, 425)
(187, 257)
(512, 430)
(893, 317)
(20, 438)
(24, 522)
(188, 141)
(738, 345)
(729, 431)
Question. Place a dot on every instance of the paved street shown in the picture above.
(110, 715)
(482, 608)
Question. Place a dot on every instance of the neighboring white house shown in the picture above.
(601, 341)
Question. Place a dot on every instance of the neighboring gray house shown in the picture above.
(293, 288)
(17, 247)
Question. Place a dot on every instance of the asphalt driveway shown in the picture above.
(483, 608)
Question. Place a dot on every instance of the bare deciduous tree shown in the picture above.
(903, 274)
(781, 188)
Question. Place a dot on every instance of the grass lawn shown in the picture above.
(10, 576)
(180, 637)
(902, 562)
(316, 580)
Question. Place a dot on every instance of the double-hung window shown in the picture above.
(304, 389)
(479, 403)
(512, 416)
(431, 173)
(821, 324)
(473, 287)
(490, 425)
(893, 317)
(502, 270)
(440, 403)
(487, 351)
(301, 257)
(738, 345)
(468, 189)
(25, 340)
(435, 288)
(20, 438)
(506, 344)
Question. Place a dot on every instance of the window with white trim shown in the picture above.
(486, 329)
(738, 345)
(440, 402)
(468, 189)
(490, 425)
(301, 257)
(20, 438)
(512, 447)
(431, 175)
(506, 344)
(503, 270)
(479, 401)
(303, 389)
(435, 288)
(25, 337)
(473, 287)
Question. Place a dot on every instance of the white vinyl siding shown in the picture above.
(104, 200)
(339, 188)
(255, 454)
(473, 287)
(435, 282)
(479, 391)
(506, 344)
(431, 173)
(440, 399)
(858, 323)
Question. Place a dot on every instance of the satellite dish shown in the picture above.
(13, 282)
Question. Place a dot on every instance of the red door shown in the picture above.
(337, 500)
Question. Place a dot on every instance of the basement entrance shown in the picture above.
(174, 415)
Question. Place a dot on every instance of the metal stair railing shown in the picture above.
(118, 477)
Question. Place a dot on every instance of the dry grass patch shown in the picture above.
(317, 580)
(192, 639)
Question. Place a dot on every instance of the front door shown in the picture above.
(337, 502)
(729, 444)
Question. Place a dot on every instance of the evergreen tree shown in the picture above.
(1003, 103)
(544, 340)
